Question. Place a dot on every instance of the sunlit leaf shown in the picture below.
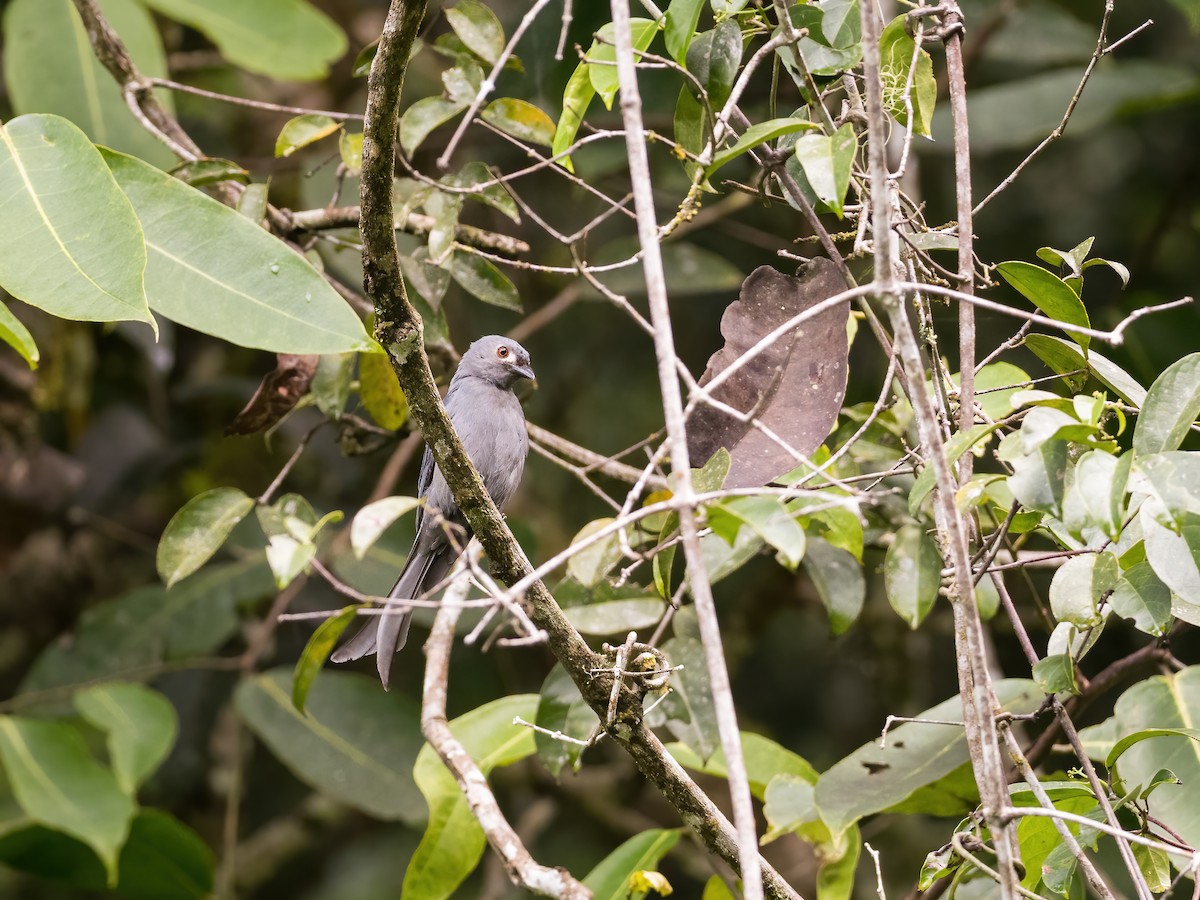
(902, 78)
(302, 131)
(1171, 407)
(380, 391)
(521, 119)
(1050, 294)
(1079, 585)
(198, 530)
(317, 651)
(17, 336)
(478, 28)
(611, 878)
(755, 136)
(826, 160)
(375, 518)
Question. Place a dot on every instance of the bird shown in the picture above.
(489, 421)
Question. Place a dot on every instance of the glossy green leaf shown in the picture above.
(611, 878)
(1171, 407)
(139, 724)
(1039, 478)
(1175, 557)
(1140, 595)
(49, 67)
(203, 172)
(912, 574)
(838, 578)
(58, 784)
(356, 743)
(494, 195)
(56, 188)
(1173, 478)
(1056, 674)
(958, 444)
(317, 651)
(256, 291)
(680, 27)
(1050, 294)
(17, 336)
(521, 119)
(1155, 867)
(1079, 585)
(764, 758)
(605, 610)
(445, 209)
(478, 28)
(380, 391)
(1064, 357)
(286, 39)
(453, 842)
(577, 97)
(753, 137)
(589, 565)
(896, 50)
(198, 530)
(302, 131)
(561, 708)
(826, 160)
(423, 117)
(767, 517)
(375, 518)
(482, 279)
(814, 53)
(1096, 497)
(603, 54)
(874, 778)
(713, 59)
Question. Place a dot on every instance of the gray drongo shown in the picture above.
(488, 418)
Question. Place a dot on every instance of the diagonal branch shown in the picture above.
(399, 329)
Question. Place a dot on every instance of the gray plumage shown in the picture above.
(491, 425)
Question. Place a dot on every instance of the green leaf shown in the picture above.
(754, 136)
(1141, 596)
(521, 119)
(287, 39)
(764, 758)
(162, 859)
(1165, 708)
(835, 879)
(56, 188)
(356, 743)
(330, 386)
(608, 610)
(577, 97)
(380, 391)
(495, 195)
(826, 160)
(375, 518)
(478, 28)
(610, 879)
(591, 564)
(874, 778)
(1064, 357)
(839, 581)
(1039, 478)
(680, 28)
(350, 148)
(150, 625)
(958, 444)
(896, 49)
(253, 202)
(1155, 866)
(816, 55)
(912, 574)
(562, 708)
(17, 336)
(1096, 496)
(713, 59)
(768, 517)
(198, 530)
(603, 52)
(1050, 294)
(1175, 558)
(203, 172)
(444, 208)
(1173, 478)
(302, 131)
(423, 117)
(715, 888)
(257, 292)
(453, 842)
(1079, 585)
(688, 709)
(995, 385)
(140, 725)
(1171, 408)
(49, 67)
(317, 651)
(58, 784)
(1056, 674)
(482, 279)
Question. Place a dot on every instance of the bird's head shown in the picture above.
(498, 359)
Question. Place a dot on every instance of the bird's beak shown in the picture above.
(525, 371)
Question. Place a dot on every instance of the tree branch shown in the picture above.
(399, 329)
(413, 223)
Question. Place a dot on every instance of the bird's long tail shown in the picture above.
(385, 634)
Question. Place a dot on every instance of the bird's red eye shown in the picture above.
(502, 352)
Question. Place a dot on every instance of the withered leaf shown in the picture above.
(795, 387)
(280, 390)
